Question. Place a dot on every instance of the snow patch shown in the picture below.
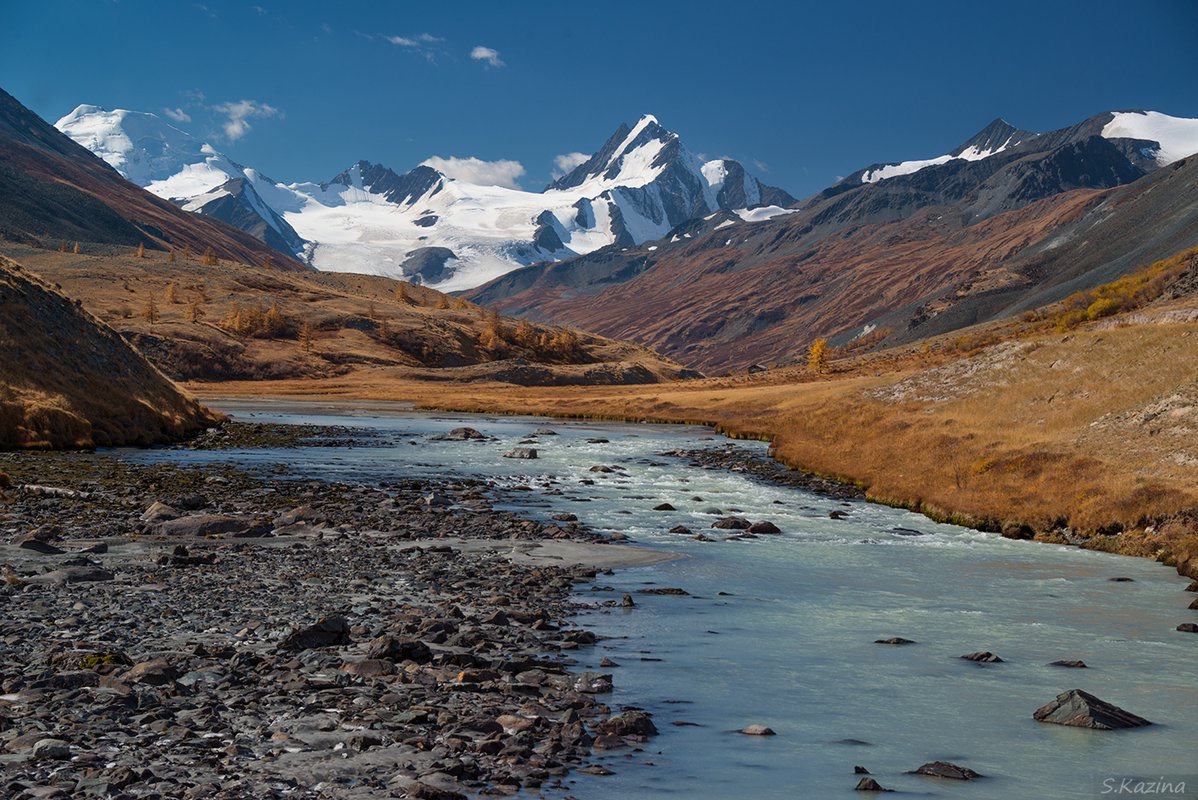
(1177, 136)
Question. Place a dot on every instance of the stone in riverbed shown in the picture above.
(327, 632)
(1193, 587)
(764, 527)
(667, 590)
(983, 657)
(521, 452)
(200, 525)
(1074, 664)
(399, 648)
(1194, 605)
(943, 769)
(46, 749)
(757, 730)
(870, 785)
(593, 683)
(1080, 709)
(894, 640)
(664, 507)
(1188, 627)
(626, 601)
(629, 722)
(681, 529)
(732, 524)
(458, 435)
(837, 515)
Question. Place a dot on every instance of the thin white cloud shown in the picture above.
(424, 44)
(761, 165)
(238, 116)
(568, 161)
(488, 55)
(177, 114)
(474, 170)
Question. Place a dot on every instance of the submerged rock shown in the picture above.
(521, 452)
(945, 769)
(894, 640)
(1076, 664)
(757, 730)
(732, 524)
(458, 435)
(983, 657)
(1188, 627)
(870, 785)
(1080, 709)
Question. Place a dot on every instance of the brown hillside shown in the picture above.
(68, 380)
(213, 322)
(53, 189)
(745, 293)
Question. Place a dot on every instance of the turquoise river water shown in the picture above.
(779, 630)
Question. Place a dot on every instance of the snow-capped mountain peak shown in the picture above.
(1175, 137)
(422, 224)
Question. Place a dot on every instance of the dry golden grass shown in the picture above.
(234, 321)
(1093, 431)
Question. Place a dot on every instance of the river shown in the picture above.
(779, 630)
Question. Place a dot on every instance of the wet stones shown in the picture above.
(521, 452)
(629, 722)
(664, 507)
(757, 729)
(1072, 664)
(732, 524)
(665, 590)
(895, 640)
(1080, 709)
(1188, 627)
(945, 769)
(463, 434)
(764, 527)
(870, 785)
(983, 657)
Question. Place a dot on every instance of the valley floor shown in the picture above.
(1085, 438)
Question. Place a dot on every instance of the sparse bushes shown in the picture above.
(1125, 294)
(209, 258)
(256, 322)
(149, 312)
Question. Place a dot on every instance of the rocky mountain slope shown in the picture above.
(1004, 222)
(53, 189)
(424, 225)
(68, 380)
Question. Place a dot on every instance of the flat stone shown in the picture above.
(757, 730)
(894, 640)
(521, 452)
(32, 544)
(944, 769)
(1076, 664)
(1188, 627)
(983, 657)
(1080, 709)
(199, 525)
(46, 749)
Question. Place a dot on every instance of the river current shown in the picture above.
(779, 630)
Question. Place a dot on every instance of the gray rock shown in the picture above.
(46, 749)
(732, 524)
(199, 525)
(764, 527)
(894, 640)
(1073, 664)
(983, 657)
(327, 632)
(944, 769)
(521, 452)
(158, 512)
(870, 785)
(32, 544)
(757, 730)
(1080, 709)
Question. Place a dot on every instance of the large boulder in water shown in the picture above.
(1083, 710)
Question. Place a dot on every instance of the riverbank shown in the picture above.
(216, 632)
(1088, 438)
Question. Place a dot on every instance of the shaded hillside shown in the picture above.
(67, 380)
(53, 189)
(737, 293)
(229, 321)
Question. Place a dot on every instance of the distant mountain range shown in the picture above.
(1006, 221)
(423, 225)
(52, 188)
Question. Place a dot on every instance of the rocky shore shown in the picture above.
(218, 633)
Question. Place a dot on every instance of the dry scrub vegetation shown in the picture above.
(1088, 437)
(208, 319)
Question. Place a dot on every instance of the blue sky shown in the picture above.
(801, 92)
